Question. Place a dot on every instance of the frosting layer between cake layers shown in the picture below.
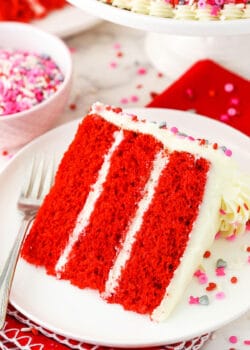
(132, 211)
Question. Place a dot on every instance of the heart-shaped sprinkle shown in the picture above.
(203, 300)
(221, 263)
(211, 286)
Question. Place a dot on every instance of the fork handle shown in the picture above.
(7, 274)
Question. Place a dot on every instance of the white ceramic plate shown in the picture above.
(162, 25)
(66, 22)
(81, 314)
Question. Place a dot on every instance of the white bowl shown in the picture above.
(20, 128)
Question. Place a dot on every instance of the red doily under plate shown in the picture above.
(21, 333)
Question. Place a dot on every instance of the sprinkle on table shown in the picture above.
(27, 79)
(233, 339)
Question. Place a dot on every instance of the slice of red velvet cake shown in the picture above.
(133, 208)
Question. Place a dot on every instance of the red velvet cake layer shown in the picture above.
(77, 172)
(164, 234)
(94, 254)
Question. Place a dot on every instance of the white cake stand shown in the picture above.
(174, 45)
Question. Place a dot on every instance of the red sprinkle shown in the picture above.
(5, 153)
(234, 280)
(202, 142)
(117, 110)
(34, 331)
(207, 254)
(211, 286)
(248, 249)
(119, 54)
(72, 106)
(211, 93)
(215, 146)
(153, 94)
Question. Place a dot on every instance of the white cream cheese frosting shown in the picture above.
(206, 13)
(123, 4)
(160, 8)
(184, 12)
(246, 11)
(140, 6)
(231, 11)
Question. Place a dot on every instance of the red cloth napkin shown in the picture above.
(211, 90)
(21, 333)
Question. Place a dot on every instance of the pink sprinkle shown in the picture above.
(141, 71)
(228, 87)
(201, 3)
(198, 273)
(189, 92)
(220, 271)
(248, 259)
(233, 339)
(228, 152)
(220, 295)
(72, 49)
(113, 64)
(174, 130)
(124, 100)
(224, 118)
(232, 111)
(191, 138)
(203, 278)
(235, 101)
(215, 10)
(117, 46)
(134, 98)
(98, 108)
(222, 212)
(193, 300)
(231, 238)
(248, 226)
(246, 342)
(219, 2)
(218, 235)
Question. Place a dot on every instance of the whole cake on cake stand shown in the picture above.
(191, 32)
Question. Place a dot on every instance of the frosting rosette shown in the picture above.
(235, 205)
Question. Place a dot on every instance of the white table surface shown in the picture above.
(123, 76)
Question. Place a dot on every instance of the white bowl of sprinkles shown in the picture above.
(35, 82)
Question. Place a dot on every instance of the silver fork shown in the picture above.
(35, 188)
